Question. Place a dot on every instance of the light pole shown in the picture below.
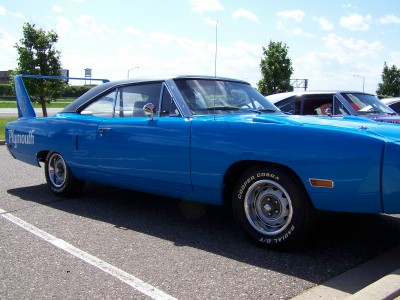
(132, 69)
(362, 78)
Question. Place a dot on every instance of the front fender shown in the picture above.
(391, 178)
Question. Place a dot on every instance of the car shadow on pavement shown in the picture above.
(341, 241)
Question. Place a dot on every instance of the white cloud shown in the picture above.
(299, 31)
(18, 15)
(3, 12)
(63, 26)
(280, 25)
(8, 54)
(355, 22)
(88, 26)
(57, 8)
(394, 58)
(136, 32)
(296, 15)
(201, 6)
(334, 65)
(210, 22)
(161, 54)
(324, 23)
(293, 15)
(347, 51)
(243, 13)
(389, 19)
(350, 6)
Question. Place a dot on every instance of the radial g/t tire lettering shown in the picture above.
(272, 207)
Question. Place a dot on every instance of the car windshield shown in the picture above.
(365, 104)
(209, 96)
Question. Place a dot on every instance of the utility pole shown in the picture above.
(132, 69)
(363, 78)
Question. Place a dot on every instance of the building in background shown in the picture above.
(5, 77)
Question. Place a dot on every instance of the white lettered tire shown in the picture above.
(272, 208)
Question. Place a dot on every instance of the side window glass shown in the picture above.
(318, 104)
(297, 102)
(287, 105)
(131, 99)
(395, 106)
(102, 107)
(168, 107)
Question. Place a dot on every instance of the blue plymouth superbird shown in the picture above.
(215, 141)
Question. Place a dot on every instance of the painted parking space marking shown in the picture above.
(129, 279)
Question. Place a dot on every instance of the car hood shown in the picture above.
(352, 124)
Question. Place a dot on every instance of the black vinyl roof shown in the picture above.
(104, 87)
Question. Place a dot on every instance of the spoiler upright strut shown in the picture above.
(24, 104)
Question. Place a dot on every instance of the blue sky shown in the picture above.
(329, 42)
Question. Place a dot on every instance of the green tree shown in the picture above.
(390, 85)
(37, 56)
(276, 69)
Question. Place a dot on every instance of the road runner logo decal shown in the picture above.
(23, 139)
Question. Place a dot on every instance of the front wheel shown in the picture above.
(272, 207)
(59, 177)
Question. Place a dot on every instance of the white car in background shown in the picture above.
(393, 103)
(334, 103)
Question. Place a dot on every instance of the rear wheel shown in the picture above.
(59, 177)
(272, 208)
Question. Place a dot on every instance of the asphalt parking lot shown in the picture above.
(111, 243)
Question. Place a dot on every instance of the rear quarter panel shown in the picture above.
(71, 135)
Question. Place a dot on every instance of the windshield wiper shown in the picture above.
(258, 111)
(262, 110)
(371, 111)
(223, 108)
(266, 110)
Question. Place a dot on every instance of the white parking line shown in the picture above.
(129, 279)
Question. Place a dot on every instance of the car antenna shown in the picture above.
(215, 64)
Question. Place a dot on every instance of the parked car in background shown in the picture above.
(217, 141)
(393, 103)
(334, 103)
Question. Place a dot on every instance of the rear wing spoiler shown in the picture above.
(24, 104)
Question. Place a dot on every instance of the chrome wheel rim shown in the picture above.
(268, 207)
(57, 170)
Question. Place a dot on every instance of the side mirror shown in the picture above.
(149, 110)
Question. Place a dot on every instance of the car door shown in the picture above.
(134, 148)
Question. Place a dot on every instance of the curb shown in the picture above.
(2, 142)
(387, 287)
(378, 278)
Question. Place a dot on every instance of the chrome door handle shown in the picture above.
(102, 129)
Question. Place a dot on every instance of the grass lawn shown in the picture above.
(61, 103)
(3, 121)
(9, 104)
